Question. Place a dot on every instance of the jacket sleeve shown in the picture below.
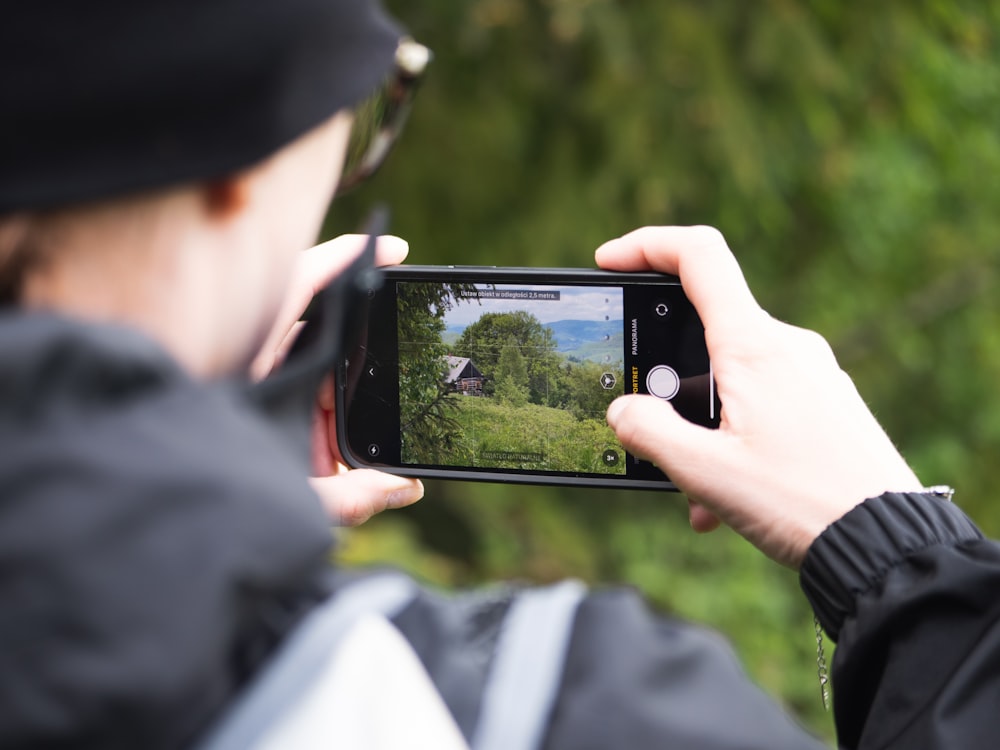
(910, 590)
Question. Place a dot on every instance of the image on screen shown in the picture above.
(501, 376)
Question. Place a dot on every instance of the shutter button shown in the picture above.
(663, 382)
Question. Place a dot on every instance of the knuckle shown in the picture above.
(353, 514)
(817, 345)
(708, 236)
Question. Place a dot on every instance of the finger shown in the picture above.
(326, 458)
(711, 277)
(657, 248)
(285, 345)
(650, 428)
(315, 270)
(326, 398)
(702, 520)
(355, 496)
(320, 264)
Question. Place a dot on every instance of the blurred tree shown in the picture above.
(847, 150)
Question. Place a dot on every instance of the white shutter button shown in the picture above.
(663, 382)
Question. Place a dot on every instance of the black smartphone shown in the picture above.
(505, 374)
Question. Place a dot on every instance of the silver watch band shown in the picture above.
(942, 491)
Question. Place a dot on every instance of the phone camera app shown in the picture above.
(498, 376)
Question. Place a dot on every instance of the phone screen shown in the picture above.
(515, 377)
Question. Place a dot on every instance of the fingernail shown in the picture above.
(406, 496)
(392, 243)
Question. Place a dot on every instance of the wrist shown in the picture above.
(856, 552)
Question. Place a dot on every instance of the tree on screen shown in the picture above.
(484, 342)
(428, 429)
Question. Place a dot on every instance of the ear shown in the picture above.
(226, 197)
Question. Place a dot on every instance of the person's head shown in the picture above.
(163, 162)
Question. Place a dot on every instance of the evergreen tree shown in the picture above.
(512, 375)
(483, 342)
(426, 404)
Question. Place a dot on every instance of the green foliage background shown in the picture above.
(849, 152)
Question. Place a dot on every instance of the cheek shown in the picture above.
(275, 285)
(310, 180)
(262, 294)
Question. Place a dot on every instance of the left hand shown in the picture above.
(350, 496)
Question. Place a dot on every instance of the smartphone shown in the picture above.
(505, 374)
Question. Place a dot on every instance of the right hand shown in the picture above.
(796, 448)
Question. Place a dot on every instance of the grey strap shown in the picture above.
(301, 658)
(527, 668)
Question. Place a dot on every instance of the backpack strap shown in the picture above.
(524, 679)
(299, 660)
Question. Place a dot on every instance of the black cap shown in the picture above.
(113, 96)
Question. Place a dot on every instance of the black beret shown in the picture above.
(108, 97)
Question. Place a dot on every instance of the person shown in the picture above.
(160, 545)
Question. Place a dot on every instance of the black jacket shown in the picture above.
(156, 539)
(910, 590)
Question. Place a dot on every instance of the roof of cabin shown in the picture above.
(456, 365)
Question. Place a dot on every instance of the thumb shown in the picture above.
(352, 497)
(650, 428)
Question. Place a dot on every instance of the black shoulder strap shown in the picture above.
(527, 668)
